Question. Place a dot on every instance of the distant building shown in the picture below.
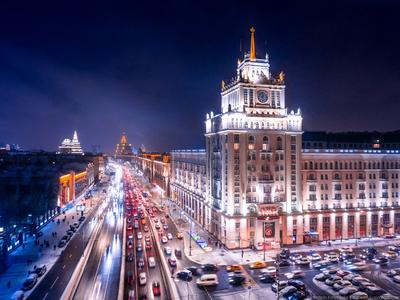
(71, 146)
(123, 148)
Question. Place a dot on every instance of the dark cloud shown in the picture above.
(154, 70)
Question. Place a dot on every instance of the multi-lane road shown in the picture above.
(58, 277)
(101, 274)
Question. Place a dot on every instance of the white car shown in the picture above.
(314, 257)
(142, 278)
(303, 261)
(268, 270)
(207, 280)
(130, 236)
(347, 291)
(358, 266)
(139, 235)
(164, 239)
(346, 250)
(169, 236)
(152, 262)
(168, 250)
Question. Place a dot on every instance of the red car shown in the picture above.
(130, 278)
(172, 262)
(148, 245)
(156, 289)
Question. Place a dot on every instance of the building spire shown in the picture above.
(75, 138)
(252, 45)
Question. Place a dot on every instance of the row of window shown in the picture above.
(350, 165)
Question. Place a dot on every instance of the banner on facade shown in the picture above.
(269, 229)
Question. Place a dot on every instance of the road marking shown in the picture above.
(63, 267)
(54, 282)
(45, 296)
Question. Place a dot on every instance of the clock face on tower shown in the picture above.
(262, 97)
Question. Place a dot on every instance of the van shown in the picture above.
(29, 282)
(207, 280)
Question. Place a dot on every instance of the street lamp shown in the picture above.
(190, 238)
(264, 247)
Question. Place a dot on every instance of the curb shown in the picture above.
(122, 270)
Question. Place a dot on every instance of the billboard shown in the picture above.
(269, 229)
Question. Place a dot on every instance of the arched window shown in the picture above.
(251, 142)
(279, 143)
(265, 143)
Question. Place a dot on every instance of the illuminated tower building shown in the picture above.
(71, 146)
(253, 152)
(123, 148)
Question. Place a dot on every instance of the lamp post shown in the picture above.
(264, 247)
(190, 238)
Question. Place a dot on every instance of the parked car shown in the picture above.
(62, 243)
(299, 285)
(393, 272)
(169, 236)
(29, 282)
(347, 291)
(295, 256)
(341, 284)
(280, 284)
(359, 296)
(287, 291)
(39, 271)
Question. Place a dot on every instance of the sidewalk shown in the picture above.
(24, 258)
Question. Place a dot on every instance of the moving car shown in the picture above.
(179, 235)
(169, 236)
(172, 262)
(284, 263)
(302, 261)
(164, 239)
(207, 280)
(299, 285)
(237, 279)
(209, 268)
(184, 275)
(232, 268)
(390, 254)
(142, 278)
(139, 235)
(267, 278)
(178, 252)
(269, 270)
(151, 262)
(195, 270)
(156, 289)
(258, 265)
(141, 263)
(167, 250)
(314, 257)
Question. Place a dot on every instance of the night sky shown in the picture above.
(155, 70)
